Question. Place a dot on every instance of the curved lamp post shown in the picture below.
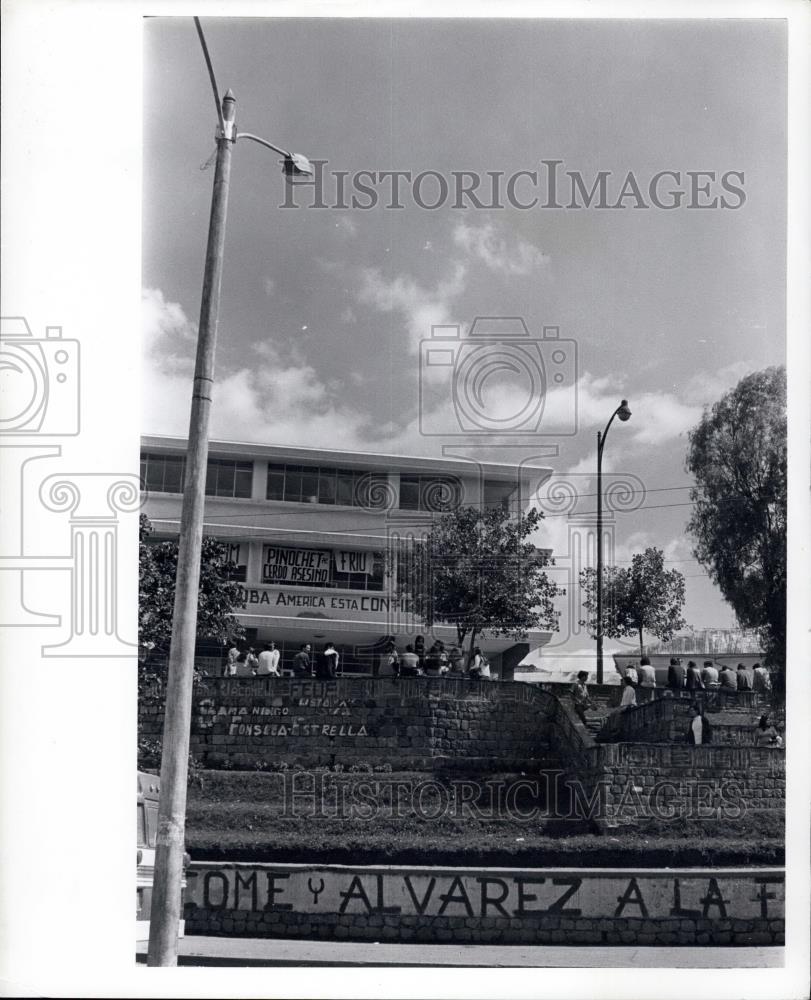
(177, 713)
(624, 413)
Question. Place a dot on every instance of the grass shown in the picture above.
(418, 818)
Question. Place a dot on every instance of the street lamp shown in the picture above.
(165, 913)
(624, 413)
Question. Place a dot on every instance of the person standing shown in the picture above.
(243, 665)
(761, 679)
(698, 728)
(268, 661)
(676, 675)
(709, 676)
(302, 665)
(392, 661)
(580, 696)
(694, 681)
(329, 662)
(231, 660)
(631, 672)
(647, 678)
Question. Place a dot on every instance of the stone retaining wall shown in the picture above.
(414, 723)
(488, 905)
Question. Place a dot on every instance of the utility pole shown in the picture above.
(166, 908)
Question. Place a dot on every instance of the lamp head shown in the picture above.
(624, 411)
(295, 164)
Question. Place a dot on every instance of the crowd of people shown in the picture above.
(414, 661)
(639, 684)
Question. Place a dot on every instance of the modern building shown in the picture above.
(319, 538)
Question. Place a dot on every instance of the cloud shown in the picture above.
(278, 399)
(421, 307)
(483, 243)
(347, 226)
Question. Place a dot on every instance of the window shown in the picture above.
(324, 485)
(224, 478)
(501, 495)
(430, 493)
(163, 473)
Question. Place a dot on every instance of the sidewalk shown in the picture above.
(224, 951)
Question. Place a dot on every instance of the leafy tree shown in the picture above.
(737, 454)
(219, 593)
(476, 570)
(644, 597)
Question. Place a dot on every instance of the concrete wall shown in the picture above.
(509, 906)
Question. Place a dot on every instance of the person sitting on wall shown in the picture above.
(580, 696)
(728, 678)
(456, 660)
(432, 661)
(676, 675)
(699, 730)
(647, 678)
(746, 678)
(761, 679)
(302, 665)
(630, 671)
(709, 676)
(419, 650)
(694, 681)
(443, 657)
(409, 663)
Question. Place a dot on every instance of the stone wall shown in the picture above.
(624, 783)
(666, 720)
(409, 723)
(488, 905)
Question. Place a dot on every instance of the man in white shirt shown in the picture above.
(269, 660)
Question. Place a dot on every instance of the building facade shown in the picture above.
(319, 537)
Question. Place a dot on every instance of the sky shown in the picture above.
(324, 311)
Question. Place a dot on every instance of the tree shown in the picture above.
(737, 454)
(644, 597)
(476, 570)
(219, 593)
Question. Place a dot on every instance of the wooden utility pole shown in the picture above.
(166, 908)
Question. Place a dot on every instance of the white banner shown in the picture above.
(287, 565)
(354, 562)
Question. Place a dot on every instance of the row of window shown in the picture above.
(307, 484)
(224, 478)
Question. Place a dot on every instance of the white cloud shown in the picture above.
(421, 307)
(485, 244)
(347, 226)
(279, 400)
